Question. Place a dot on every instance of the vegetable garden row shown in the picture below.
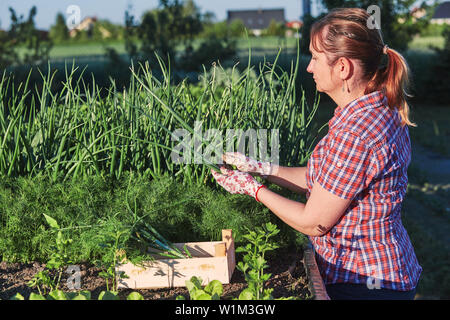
(85, 170)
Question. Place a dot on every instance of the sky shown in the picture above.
(114, 10)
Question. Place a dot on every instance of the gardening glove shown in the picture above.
(246, 164)
(237, 182)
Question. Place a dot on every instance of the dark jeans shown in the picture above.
(351, 291)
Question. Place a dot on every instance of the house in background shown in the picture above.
(257, 20)
(87, 24)
(442, 14)
(293, 27)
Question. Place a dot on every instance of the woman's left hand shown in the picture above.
(237, 182)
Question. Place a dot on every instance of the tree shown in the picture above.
(275, 29)
(26, 35)
(167, 27)
(305, 31)
(59, 31)
(237, 28)
(398, 26)
(437, 86)
(7, 53)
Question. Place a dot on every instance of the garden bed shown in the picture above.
(289, 278)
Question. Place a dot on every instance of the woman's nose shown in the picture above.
(309, 69)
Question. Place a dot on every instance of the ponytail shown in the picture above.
(394, 80)
(347, 35)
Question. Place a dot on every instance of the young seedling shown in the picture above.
(59, 258)
(111, 256)
(212, 291)
(253, 264)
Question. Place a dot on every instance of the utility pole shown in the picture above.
(306, 7)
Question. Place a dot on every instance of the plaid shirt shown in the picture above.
(364, 157)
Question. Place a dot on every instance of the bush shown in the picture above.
(274, 29)
(210, 50)
(438, 87)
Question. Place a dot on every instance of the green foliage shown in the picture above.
(219, 30)
(26, 35)
(305, 31)
(209, 51)
(433, 29)
(237, 29)
(161, 29)
(7, 52)
(59, 258)
(437, 85)
(398, 26)
(253, 264)
(59, 31)
(43, 281)
(135, 296)
(172, 24)
(275, 29)
(17, 296)
(90, 211)
(212, 291)
(80, 130)
(150, 238)
(106, 30)
(113, 252)
(23, 43)
(81, 295)
(432, 129)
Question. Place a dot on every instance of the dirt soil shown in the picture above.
(288, 279)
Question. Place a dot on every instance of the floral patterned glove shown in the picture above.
(235, 181)
(246, 164)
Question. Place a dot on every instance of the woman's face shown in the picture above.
(323, 74)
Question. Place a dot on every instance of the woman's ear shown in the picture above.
(345, 68)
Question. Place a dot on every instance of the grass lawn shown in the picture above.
(98, 48)
(426, 207)
(271, 43)
(424, 43)
(433, 127)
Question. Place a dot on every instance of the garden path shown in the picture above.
(435, 165)
(436, 171)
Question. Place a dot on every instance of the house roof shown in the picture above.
(294, 24)
(257, 19)
(442, 11)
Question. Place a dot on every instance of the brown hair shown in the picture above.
(344, 32)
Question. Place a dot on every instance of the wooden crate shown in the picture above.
(210, 261)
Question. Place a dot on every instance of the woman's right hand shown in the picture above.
(246, 164)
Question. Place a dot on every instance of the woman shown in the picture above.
(356, 177)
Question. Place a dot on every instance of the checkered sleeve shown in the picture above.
(344, 168)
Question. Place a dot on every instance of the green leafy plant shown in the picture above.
(254, 263)
(59, 259)
(42, 281)
(113, 252)
(81, 295)
(252, 266)
(212, 291)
